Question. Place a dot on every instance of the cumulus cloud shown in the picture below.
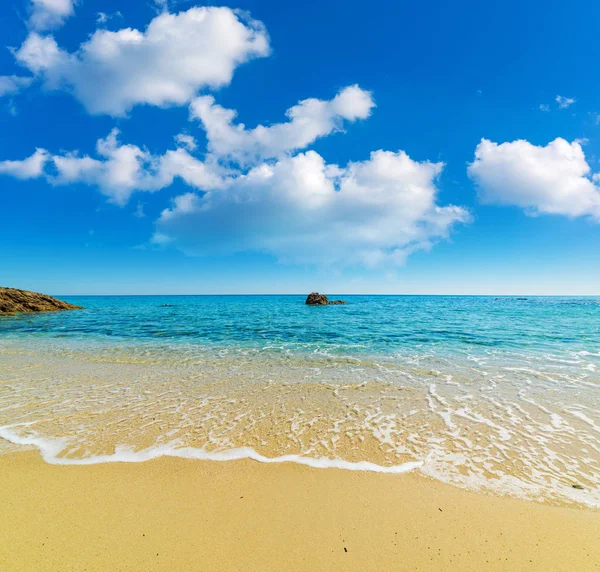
(551, 179)
(301, 209)
(253, 189)
(564, 102)
(120, 169)
(167, 64)
(30, 168)
(12, 84)
(40, 53)
(308, 120)
(50, 14)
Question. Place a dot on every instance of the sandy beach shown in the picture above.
(177, 514)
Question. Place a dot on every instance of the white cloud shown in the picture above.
(13, 84)
(30, 168)
(50, 14)
(40, 53)
(564, 102)
(544, 107)
(167, 64)
(302, 210)
(205, 175)
(308, 120)
(120, 169)
(187, 141)
(103, 17)
(551, 179)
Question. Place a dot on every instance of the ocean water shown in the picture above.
(499, 395)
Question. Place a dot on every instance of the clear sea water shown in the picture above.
(501, 395)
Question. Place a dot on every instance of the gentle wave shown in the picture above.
(51, 448)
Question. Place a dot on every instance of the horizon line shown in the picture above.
(514, 295)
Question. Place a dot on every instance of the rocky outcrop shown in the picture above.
(316, 299)
(13, 301)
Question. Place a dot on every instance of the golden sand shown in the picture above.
(175, 514)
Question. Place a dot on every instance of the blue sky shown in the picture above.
(372, 184)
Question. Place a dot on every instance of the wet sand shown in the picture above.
(176, 514)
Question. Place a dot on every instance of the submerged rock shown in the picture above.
(316, 299)
(13, 301)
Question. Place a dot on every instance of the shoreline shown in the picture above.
(180, 514)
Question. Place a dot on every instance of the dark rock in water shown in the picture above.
(316, 299)
(13, 301)
(167, 306)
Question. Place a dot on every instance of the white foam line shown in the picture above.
(51, 448)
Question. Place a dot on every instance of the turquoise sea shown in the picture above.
(497, 394)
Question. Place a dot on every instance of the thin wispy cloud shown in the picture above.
(564, 102)
(12, 84)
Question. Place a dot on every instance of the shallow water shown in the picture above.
(496, 394)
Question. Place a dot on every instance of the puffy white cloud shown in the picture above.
(167, 64)
(13, 84)
(120, 169)
(30, 168)
(205, 175)
(302, 210)
(551, 179)
(40, 53)
(308, 120)
(50, 14)
(564, 102)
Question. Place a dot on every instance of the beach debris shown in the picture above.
(316, 299)
(14, 301)
(578, 487)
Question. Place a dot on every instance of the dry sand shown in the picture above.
(175, 514)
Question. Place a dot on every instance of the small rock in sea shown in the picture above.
(316, 299)
(166, 305)
(577, 486)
